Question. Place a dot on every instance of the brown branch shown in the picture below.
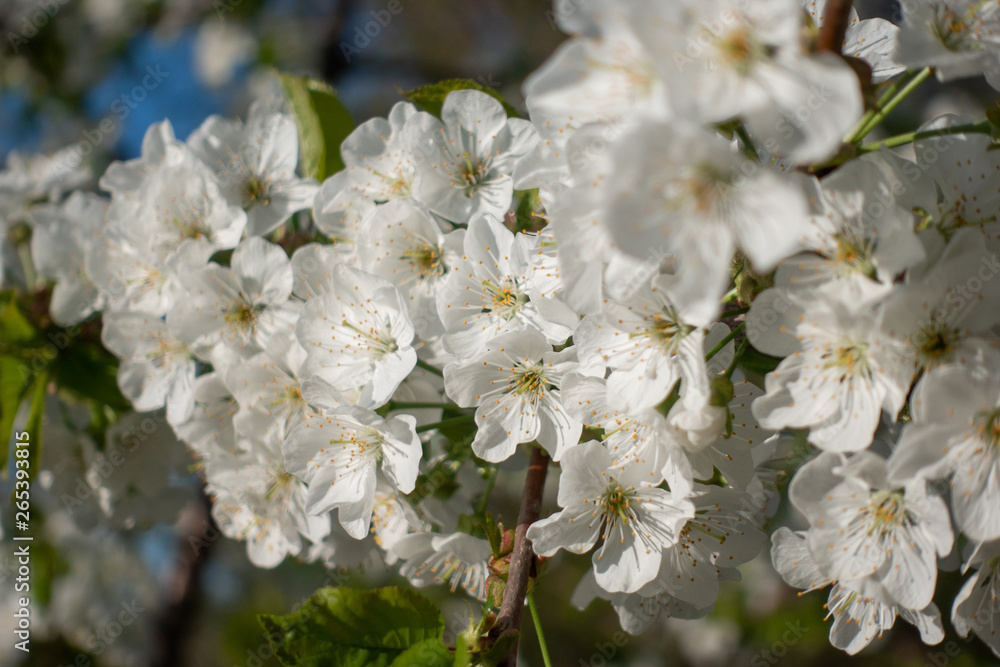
(522, 560)
(836, 18)
(197, 532)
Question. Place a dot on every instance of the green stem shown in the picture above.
(852, 135)
(982, 127)
(722, 343)
(427, 367)
(538, 630)
(454, 421)
(418, 405)
(735, 311)
(491, 479)
(887, 108)
(30, 277)
(748, 146)
(736, 357)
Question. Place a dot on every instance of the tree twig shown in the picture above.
(522, 560)
(197, 532)
(836, 18)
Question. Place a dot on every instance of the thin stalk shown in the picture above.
(538, 630)
(852, 135)
(748, 146)
(418, 405)
(722, 343)
(887, 108)
(731, 295)
(982, 127)
(454, 421)
(736, 357)
(735, 311)
(430, 369)
(30, 276)
(491, 479)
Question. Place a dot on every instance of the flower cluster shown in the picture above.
(349, 380)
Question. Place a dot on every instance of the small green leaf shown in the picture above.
(428, 653)
(463, 657)
(15, 329)
(993, 116)
(346, 627)
(431, 97)
(13, 387)
(494, 533)
(323, 124)
(530, 214)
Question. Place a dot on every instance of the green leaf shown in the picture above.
(34, 423)
(428, 653)
(530, 212)
(756, 365)
(431, 97)
(13, 387)
(346, 627)
(494, 533)
(323, 124)
(993, 116)
(15, 329)
(463, 656)
(90, 373)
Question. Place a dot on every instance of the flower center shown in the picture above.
(854, 252)
(851, 357)
(280, 484)
(191, 230)
(290, 395)
(529, 382)
(665, 328)
(886, 511)
(363, 445)
(398, 186)
(256, 191)
(988, 427)
(740, 50)
(507, 299)
(473, 172)
(243, 314)
(702, 188)
(426, 260)
(381, 342)
(935, 343)
(616, 502)
(951, 29)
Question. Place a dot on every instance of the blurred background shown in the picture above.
(100, 72)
